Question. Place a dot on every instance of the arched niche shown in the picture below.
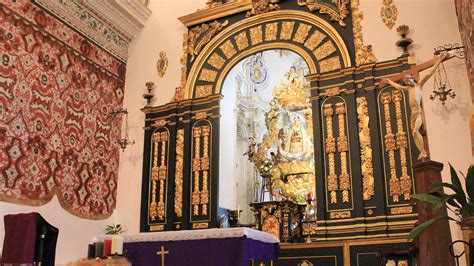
(313, 38)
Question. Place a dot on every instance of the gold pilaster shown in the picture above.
(390, 147)
(195, 198)
(343, 148)
(205, 170)
(178, 177)
(365, 149)
(332, 184)
(402, 145)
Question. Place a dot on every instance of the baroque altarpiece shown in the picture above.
(347, 137)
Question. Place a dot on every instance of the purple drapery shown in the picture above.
(205, 252)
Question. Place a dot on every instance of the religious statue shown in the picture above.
(414, 90)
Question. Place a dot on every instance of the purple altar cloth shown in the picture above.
(203, 252)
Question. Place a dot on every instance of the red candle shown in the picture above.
(309, 197)
(107, 247)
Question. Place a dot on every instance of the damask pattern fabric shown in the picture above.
(56, 91)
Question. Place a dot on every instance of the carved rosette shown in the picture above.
(332, 182)
(402, 145)
(390, 147)
(343, 148)
(178, 177)
(365, 149)
(337, 10)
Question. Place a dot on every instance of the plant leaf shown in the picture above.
(470, 182)
(459, 193)
(415, 232)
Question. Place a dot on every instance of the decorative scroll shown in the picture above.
(340, 215)
(200, 225)
(365, 149)
(199, 36)
(336, 9)
(401, 210)
(178, 177)
(332, 184)
(402, 145)
(195, 198)
(205, 170)
(158, 175)
(343, 148)
(364, 53)
(390, 147)
(179, 91)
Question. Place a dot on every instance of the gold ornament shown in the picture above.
(162, 64)
(389, 13)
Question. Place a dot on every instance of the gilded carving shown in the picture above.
(333, 91)
(199, 36)
(365, 149)
(196, 166)
(216, 61)
(178, 177)
(364, 53)
(200, 225)
(402, 145)
(271, 30)
(162, 175)
(241, 40)
(390, 147)
(228, 49)
(205, 170)
(159, 227)
(159, 123)
(401, 210)
(200, 115)
(152, 209)
(162, 64)
(324, 50)
(256, 35)
(340, 215)
(208, 75)
(329, 64)
(316, 38)
(287, 30)
(302, 32)
(337, 11)
(179, 91)
(309, 228)
(343, 148)
(260, 7)
(389, 13)
(203, 91)
(332, 182)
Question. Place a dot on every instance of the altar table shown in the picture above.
(207, 247)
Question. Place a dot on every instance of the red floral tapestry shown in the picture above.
(56, 91)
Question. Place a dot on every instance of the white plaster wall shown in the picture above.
(432, 23)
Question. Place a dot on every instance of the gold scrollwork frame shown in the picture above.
(225, 35)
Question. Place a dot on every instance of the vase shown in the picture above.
(467, 226)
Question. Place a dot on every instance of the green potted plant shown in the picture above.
(458, 201)
(114, 229)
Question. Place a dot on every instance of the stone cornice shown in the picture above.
(111, 24)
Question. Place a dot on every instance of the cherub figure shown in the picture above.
(415, 94)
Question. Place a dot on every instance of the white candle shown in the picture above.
(117, 245)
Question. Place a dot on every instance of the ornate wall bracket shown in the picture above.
(389, 13)
(199, 36)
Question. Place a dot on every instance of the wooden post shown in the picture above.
(434, 243)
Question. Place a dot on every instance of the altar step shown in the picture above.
(362, 252)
